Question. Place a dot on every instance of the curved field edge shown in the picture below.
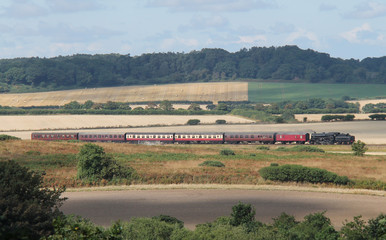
(283, 187)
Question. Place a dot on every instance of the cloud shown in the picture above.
(24, 9)
(326, 7)
(212, 5)
(368, 10)
(281, 27)
(67, 33)
(204, 22)
(302, 35)
(172, 44)
(251, 39)
(73, 5)
(363, 34)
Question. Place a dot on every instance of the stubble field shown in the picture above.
(214, 92)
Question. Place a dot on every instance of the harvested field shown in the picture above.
(27, 122)
(226, 91)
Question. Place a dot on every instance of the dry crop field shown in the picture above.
(227, 91)
(179, 164)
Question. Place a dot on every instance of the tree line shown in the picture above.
(288, 63)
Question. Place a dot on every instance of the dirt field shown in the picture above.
(227, 91)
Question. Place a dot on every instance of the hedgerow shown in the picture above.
(298, 173)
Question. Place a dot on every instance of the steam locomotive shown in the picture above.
(324, 138)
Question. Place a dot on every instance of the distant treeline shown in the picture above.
(279, 63)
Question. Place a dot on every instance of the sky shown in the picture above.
(47, 28)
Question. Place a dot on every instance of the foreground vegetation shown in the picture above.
(240, 225)
(30, 210)
(180, 164)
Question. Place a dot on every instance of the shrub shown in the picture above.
(212, 164)
(298, 173)
(26, 209)
(170, 220)
(377, 116)
(242, 214)
(221, 121)
(4, 137)
(94, 164)
(75, 227)
(193, 122)
(274, 165)
(265, 148)
(359, 148)
(227, 152)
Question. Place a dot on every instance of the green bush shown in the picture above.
(377, 116)
(27, 210)
(265, 148)
(212, 164)
(274, 165)
(94, 165)
(298, 173)
(348, 117)
(300, 148)
(221, 121)
(359, 148)
(227, 152)
(4, 137)
(193, 122)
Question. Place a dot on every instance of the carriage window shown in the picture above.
(237, 136)
(252, 136)
(232, 136)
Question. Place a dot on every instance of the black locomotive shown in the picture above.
(331, 138)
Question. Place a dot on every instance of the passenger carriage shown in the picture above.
(149, 137)
(298, 138)
(65, 136)
(101, 137)
(199, 138)
(245, 137)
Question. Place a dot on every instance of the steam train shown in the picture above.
(324, 138)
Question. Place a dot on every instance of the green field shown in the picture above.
(275, 92)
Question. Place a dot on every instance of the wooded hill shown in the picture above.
(288, 63)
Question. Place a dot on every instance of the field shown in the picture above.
(179, 164)
(229, 91)
(40, 122)
(273, 92)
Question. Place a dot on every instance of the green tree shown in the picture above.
(72, 105)
(166, 105)
(95, 164)
(194, 107)
(88, 104)
(27, 210)
(242, 214)
(359, 148)
(193, 122)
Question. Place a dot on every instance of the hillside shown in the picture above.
(193, 92)
(288, 63)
